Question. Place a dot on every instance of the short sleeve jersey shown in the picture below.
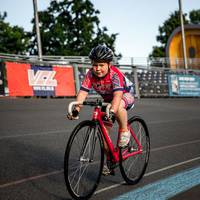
(106, 86)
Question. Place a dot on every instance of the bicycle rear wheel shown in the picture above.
(83, 161)
(133, 168)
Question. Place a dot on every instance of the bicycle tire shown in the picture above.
(134, 167)
(83, 161)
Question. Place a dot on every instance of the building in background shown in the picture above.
(174, 49)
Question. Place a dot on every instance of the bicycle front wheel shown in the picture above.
(133, 167)
(83, 161)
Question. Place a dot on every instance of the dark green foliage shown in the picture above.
(67, 27)
(70, 27)
(195, 16)
(13, 39)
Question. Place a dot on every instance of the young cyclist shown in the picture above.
(111, 84)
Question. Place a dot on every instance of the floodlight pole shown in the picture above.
(183, 35)
(37, 29)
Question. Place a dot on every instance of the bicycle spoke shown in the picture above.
(88, 145)
(134, 166)
(84, 160)
(80, 176)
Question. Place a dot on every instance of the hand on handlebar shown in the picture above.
(111, 116)
(73, 115)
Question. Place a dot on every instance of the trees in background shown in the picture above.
(194, 16)
(67, 28)
(13, 39)
(70, 28)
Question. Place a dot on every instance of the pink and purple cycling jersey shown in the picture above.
(106, 86)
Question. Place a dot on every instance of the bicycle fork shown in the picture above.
(88, 148)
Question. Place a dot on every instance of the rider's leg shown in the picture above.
(107, 170)
(106, 149)
(122, 116)
(122, 119)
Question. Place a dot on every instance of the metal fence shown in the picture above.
(142, 62)
(148, 81)
(150, 76)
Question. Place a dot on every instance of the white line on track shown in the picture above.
(107, 188)
(148, 174)
(175, 145)
(35, 134)
(69, 131)
(30, 179)
(173, 121)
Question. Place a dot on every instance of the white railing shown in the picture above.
(144, 62)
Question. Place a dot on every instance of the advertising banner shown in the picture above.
(184, 85)
(65, 81)
(42, 80)
(2, 85)
(17, 79)
(33, 80)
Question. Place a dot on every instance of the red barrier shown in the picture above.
(65, 78)
(18, 80)
(30, 80)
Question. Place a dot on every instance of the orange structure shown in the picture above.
(174, 49)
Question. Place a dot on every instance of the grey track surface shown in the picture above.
(34, 132)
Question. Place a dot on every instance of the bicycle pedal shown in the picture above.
(112, 173)
(113, 166)
(107, 171)
(124, 147)
(131, 149)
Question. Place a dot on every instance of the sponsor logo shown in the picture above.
(42, 80)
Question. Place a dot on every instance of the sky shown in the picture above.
(135, 21)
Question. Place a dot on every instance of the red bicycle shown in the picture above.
(84, 155)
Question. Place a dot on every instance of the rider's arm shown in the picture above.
(75, 111)
(117, 97)
(85, 88)
(118, 87)
(81, 97)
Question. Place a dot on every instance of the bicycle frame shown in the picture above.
(97, 116)
(84, 154)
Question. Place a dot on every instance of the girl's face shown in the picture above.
(100, 69)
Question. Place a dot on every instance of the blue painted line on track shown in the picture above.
(165, 188)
